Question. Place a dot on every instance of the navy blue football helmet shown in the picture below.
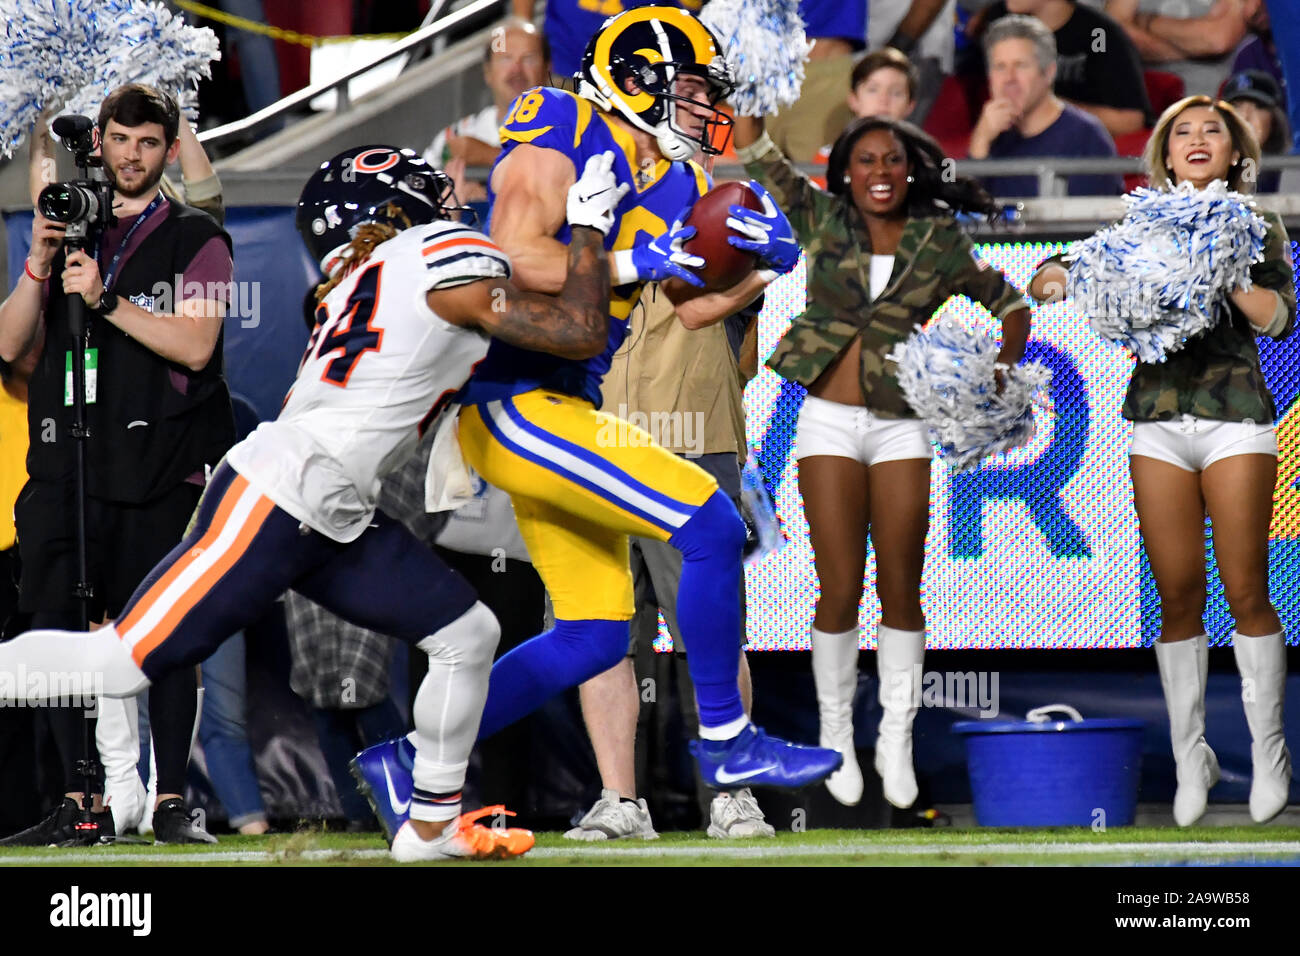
(379, 184)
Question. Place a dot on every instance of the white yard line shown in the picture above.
(732, 851)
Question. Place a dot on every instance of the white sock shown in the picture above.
(448, 707)
(725, 731)
(40, 665)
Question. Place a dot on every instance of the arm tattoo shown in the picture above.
(576, 320)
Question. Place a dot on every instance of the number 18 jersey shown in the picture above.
(555, 119)
(379, 366)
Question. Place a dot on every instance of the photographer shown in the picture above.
(157, 408)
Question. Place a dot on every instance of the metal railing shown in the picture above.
(415, 43)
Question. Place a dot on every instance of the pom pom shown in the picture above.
(764, 44)
(59, 54)
(1159, 277)
(947, 375)
(763, 531)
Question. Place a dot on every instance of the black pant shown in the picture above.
(123, 543)
(19, 793)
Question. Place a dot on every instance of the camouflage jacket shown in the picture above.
(1217, 375)
(935, 259)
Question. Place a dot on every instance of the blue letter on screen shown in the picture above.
(1037, 484)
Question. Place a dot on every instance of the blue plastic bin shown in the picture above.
(1052, 772)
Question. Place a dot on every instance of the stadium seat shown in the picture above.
(955, 111)
(1163, 90)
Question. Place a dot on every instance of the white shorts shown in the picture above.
(851, 431)
(1194, 444)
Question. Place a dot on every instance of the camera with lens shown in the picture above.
(85, 205)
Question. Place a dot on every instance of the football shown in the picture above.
(724, 264)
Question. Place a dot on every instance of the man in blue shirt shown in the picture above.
(1024, 118)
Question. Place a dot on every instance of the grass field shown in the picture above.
(955, 847)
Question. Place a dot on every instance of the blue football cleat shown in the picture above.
(753, 759)
(383, 775)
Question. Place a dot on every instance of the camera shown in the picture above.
(85, 205)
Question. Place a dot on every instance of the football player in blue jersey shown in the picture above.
(529, 424)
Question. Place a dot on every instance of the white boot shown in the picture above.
(835, 673)
(1184, 666)
(898, 663)
(117, 738)
(1262, 663)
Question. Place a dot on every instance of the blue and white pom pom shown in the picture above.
(764, 44)
(946, 373)
(68, 54)
(1159, 277)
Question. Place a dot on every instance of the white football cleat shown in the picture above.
(463, 839)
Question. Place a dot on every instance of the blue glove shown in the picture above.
(767, 234)
(662, 258)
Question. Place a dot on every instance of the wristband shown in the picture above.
(747, 154)
(621, 269)
(1277, 323)
(27, 267)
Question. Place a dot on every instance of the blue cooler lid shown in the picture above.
(1045, 726)
(1041, 720)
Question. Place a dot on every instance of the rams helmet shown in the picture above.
(379, 184)
(653, 46)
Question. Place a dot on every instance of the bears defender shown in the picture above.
(530, 425)
(405, 313)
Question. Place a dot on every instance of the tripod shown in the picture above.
(87, 767)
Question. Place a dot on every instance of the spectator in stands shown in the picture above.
(259, 66)
(1098, 68)
(924, 31)
(1023, 118)
(1259, 50)
(514, 60)
(1193, 38)
(1254, 94)
(837, 32)
(884, 83)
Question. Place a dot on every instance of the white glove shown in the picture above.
(593, 198)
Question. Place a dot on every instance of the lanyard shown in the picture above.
(111, 272)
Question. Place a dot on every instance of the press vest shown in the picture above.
(154, 423)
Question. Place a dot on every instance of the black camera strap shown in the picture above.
(110, 273)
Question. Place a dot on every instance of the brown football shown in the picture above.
(724, 264)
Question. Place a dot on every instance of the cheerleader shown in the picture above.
(1204, 442)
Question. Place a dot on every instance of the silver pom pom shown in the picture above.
(1159, 277)
(947, 374)
(69, 54)
(764, 44)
